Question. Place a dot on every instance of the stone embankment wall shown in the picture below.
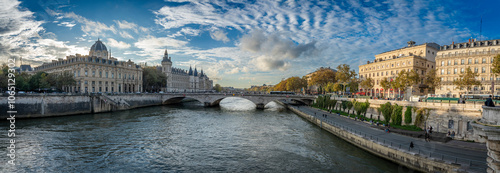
(443, 117)
(411, 160)
(42, 105)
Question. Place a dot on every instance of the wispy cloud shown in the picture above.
(219, 35)
(22, 36)
(91, 27)
(117, 44)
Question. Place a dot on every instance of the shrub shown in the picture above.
(422, 115)
(397, 116)
(386, 110)
(408, 115)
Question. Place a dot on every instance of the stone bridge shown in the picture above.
(213, 99)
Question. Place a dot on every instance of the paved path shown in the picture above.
(471, 155)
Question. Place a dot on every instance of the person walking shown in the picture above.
(411, 145)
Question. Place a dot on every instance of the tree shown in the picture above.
(330, 87)
(61, 80)
(3, 77)
(396, 115)
(322, 77)
(280, 86)
(153, 79)
(337, 87)
(217, 88)
(467, 80)
(295, 83)
(432, 80)
(408, 115)
(361, 107)
(422, 115)
(345, 74)
(401, 82)
(386, 110)
(412, 78)
(349, 106)
(386, 85)
(39, 81)
(367, 83)
(22, 82)
(495, 67)
(353, 85)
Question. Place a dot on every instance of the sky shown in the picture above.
(239, 43)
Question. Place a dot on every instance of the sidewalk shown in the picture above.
(472, 156)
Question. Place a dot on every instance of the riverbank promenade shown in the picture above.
(470, 156)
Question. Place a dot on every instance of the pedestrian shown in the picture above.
(489, 102)
(448, 133)
(430, 130)
(453, 134)
(411, 145)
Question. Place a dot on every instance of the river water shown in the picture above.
(184, 138)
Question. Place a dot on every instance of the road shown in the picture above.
(472, 156)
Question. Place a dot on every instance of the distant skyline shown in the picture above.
(239, 43)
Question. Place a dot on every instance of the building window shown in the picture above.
(112, 75)
(455, 71)
(476, 70)
(442, 71)
(484, 60)
(449, 62)
(100, 74)
(106, 74)
(455, 62)
(93, 73)
(442, 63)
(470, 61)
(476, 61)
(86, 73)
(483, 70)
(462, 61)
(450, 124)
(462, 70)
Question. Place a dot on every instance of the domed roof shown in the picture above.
(98, 45)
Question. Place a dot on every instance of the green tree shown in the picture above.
(38, 81)
(432, 80)
(280, 86)
(386, 85)
(353, 86)
(22, 82)
(345, 75)
(413, 78)
(153, 79)
(495, 67)
(367, 83)
(4, 77)
(408, 111)
(467, 80)
(386, 110)
(217, 88)
(401, 82)
(396, 115)
(349, 106)
(361, 107)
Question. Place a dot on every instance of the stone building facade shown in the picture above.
(179, 80)
(452, 60)
(420, 58)
(97, 72)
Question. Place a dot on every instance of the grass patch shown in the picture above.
(406, 127)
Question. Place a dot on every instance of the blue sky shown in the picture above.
(239, 43)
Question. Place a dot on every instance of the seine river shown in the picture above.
(184, 138)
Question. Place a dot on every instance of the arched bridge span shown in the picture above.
(213, 99)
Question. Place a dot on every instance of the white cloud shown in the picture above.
(125, 34)
(117, 44)
(153, 47)
(67, 24)
(187, 31)
(22, 36)
(92, 28)
(126, 25)
(219, 35)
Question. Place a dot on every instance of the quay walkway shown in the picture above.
(470, 156)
